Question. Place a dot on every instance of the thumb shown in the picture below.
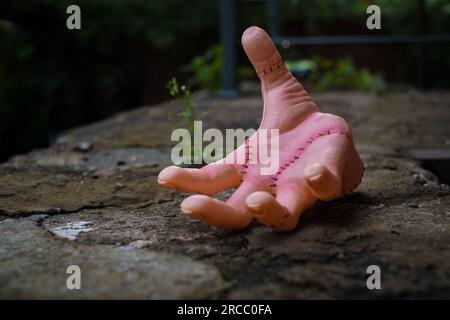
(263, 54)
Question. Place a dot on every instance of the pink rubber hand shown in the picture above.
(317, 156)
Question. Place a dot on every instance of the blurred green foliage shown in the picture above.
(339, 74)
(185, 117)
(206, 69)
(52, 78)
(344, 17)
(397, 16)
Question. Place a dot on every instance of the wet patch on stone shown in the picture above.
(72, 229)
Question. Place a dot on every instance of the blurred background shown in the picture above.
(52, 78)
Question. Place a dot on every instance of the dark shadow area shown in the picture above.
(53, 79)
(436, 161)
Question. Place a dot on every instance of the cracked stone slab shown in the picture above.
(160, 227)
(94, 162)
(416, 205)
(404, 230)
(341, 237)
(29, 191)
(33, 265)
(398, 218)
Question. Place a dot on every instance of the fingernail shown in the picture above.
(192, 214)
(166, 184)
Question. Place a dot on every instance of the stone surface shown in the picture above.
(34, 190)
(132, 241)
(34, 266)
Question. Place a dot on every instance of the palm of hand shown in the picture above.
(317, 158)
